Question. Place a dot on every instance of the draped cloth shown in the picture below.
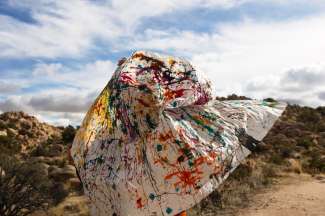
(155, 142)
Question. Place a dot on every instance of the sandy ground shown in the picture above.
(299, 195)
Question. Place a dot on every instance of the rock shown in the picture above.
(62, 174)
(294, 166)
(12, 132)
(71, 208)
(296, 155)
(3, 133)
(75, 184)
(38, 159)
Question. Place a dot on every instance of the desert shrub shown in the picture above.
(276, 159)
(25, 125)
(243, 171)
(309, 116)
(12, 125)
(269, 100)
(322, 142)
(305, 142)
(317, 162)
(321, 110)
(23, 188)
(58, 192)
(321, 127)
(2, 125)
(68, 134)
(40, 150)
(24, 132)
(286, 152)
(9, 145)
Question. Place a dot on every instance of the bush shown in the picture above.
(23, 188)
(321, 127)
(305, 142)
(2, 125)
(309, 115)
(58, 192)
(317, 162)
(321, 110)
(9, 145)
(269, 100)
(276, 159)
(68, 134)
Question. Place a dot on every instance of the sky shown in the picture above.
(56, 56)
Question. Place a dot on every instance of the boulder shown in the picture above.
(12, 131)
(75, 184)
(3, 133)
(62, 174)
(294, 165)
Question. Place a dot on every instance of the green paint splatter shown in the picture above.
(190, 163)
(169, 210)
(152, 196)
(159, 147)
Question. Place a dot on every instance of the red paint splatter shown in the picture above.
(139, 203)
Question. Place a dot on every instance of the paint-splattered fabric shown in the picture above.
(155, 142)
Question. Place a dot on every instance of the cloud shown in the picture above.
(321, 95)
(305, 76)
(78, 87)
(42, 69)
(6, 87)
(73, 28)
(303, 86)
(72, 103)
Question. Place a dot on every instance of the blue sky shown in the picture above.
(56, 56)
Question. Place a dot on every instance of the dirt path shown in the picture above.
(296, 195)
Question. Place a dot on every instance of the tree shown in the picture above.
(23, 187)
(68, 134)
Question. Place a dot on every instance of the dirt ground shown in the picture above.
(299, 195)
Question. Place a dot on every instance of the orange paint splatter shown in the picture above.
(187, 179)
(174, 94)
